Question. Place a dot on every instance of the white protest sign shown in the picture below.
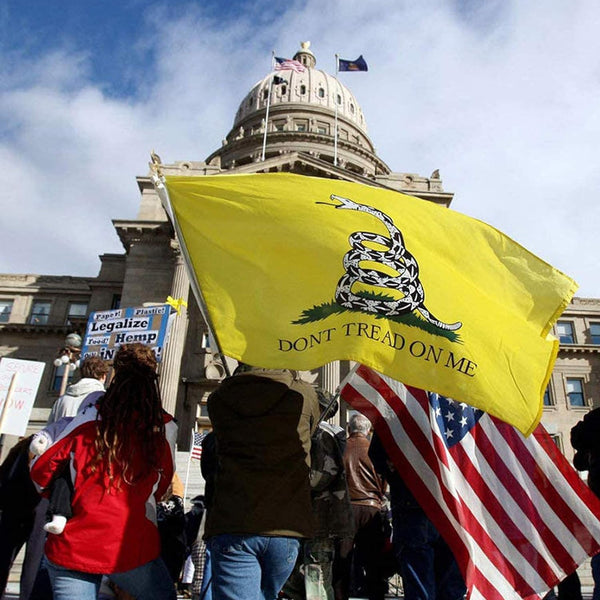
(19, 382)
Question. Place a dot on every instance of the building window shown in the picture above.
(321, 129)
(116, 302)
(265, 94)
(548, 401)
(556, 439)
(77, 310)
(279, 125)
(302, 90)
(575, 392)
(321, 93)
(595, 333)
(339, 99)
(40, 311)
(300, 126)
(283, 90)
(5, 310)
(352, 108)
(564, 330)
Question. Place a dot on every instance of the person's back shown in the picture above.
(121, 461)
(367, 495)
(262, 421)
(365, 486)
(262, 428)
(93, 376)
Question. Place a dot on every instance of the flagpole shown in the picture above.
(163, 194)
(187, 475)
(264, 147)
(335, 138)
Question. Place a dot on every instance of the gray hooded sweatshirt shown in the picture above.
(68, 405)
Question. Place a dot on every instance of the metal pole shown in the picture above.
(264, 147)
(335, 134)
(65, 377)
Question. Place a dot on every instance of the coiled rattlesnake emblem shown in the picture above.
(409, 295)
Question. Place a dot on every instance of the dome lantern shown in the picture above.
(305, 56)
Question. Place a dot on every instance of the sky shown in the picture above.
(502, 96)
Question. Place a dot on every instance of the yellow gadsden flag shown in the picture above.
(300, 271)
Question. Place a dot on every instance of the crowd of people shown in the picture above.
(293, 507)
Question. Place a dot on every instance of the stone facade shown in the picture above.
(574, 387)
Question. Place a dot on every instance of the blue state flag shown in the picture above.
(360, 64)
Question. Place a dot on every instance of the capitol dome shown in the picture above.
(302, 112)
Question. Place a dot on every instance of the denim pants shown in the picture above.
(150, 582)
(252, 567)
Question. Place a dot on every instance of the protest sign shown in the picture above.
(107, 330)
(19, 382)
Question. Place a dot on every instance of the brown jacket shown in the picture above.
(366, 487)
(262, 422)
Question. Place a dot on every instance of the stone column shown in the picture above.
(171, 361)
(331, 376)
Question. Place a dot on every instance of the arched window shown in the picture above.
(283, 90)
(352, 108)
(321, 93)
(339, 99)
(302, 90)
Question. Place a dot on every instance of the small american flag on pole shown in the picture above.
(196, 452)
(288, 64)
(514, 512)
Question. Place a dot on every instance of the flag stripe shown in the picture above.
(516, 515)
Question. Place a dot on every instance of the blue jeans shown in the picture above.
(428, 568)
(150, 582)
(252, 567)
(206, 587)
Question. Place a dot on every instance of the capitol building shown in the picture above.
(287, 126)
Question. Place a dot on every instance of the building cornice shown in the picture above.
(35, 329)
(580, 348)
(142, 232)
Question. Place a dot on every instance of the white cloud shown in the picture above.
(501, 97)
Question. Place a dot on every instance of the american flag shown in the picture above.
(287, 64)
(514, 512)
(196, 452)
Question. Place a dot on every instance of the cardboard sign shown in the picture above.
(19, 383)
(107, 330)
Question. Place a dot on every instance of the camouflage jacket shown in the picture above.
(329, 490)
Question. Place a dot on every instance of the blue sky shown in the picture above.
(501, 96)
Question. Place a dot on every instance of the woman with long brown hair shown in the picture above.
(121, 463)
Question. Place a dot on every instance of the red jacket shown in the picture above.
(111, 531)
